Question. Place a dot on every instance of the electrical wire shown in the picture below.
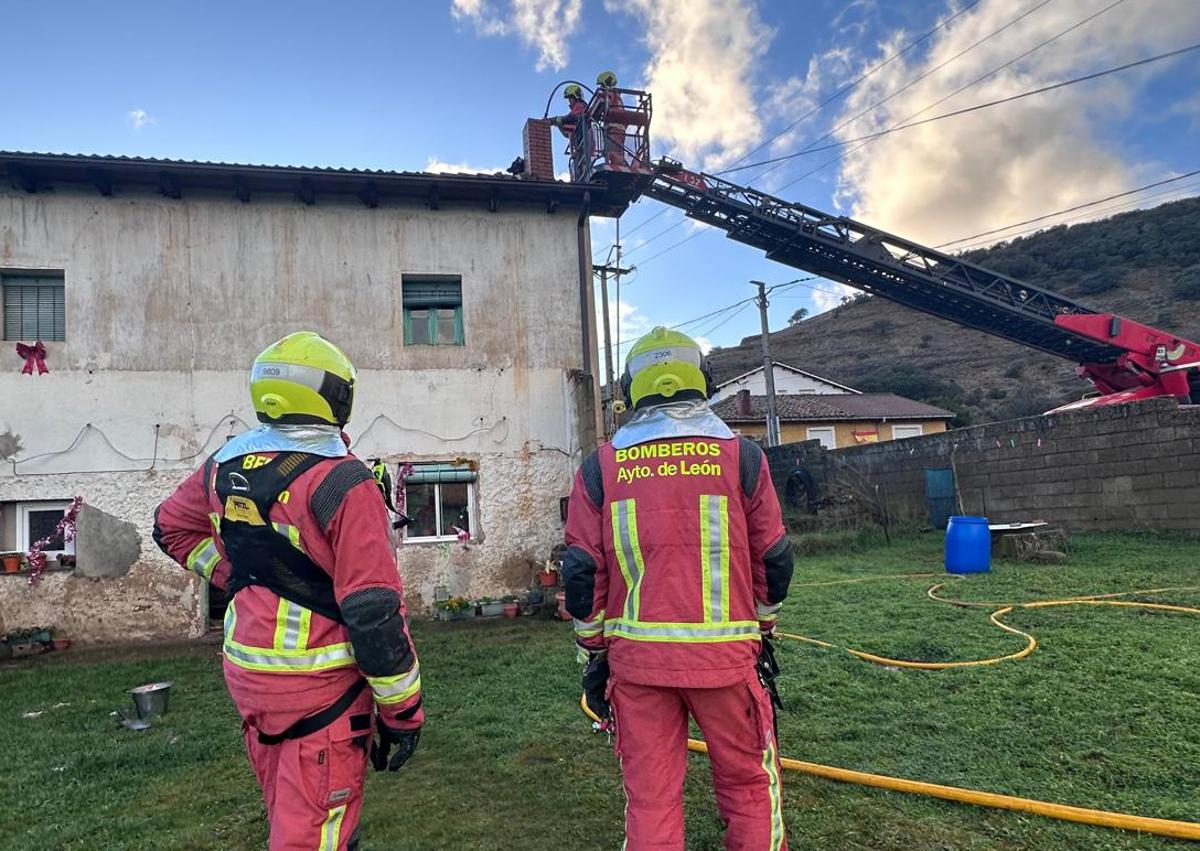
(976, 107)
(864, 76)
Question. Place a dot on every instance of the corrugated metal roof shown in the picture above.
(812, 407)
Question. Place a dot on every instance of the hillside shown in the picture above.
(1143, 264)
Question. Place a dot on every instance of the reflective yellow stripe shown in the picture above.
(331, 830)
(398, 688)
(773, 788)
(215, 520)
(589, 629)
(281, 616)
(768, 613)
(292, 533)
(292, 623)
(286, 661)
(687, 633)
(230, 620)
(305, 627)
(714, 556)
(203, 558)
(629, 553)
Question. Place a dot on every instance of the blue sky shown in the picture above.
(449, 84)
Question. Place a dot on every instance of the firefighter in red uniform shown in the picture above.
(677, 563)
(317, 654)
(614, 138)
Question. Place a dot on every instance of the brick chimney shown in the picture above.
(743, 403)
(539, 149)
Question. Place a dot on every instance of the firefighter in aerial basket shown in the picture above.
(318, 657)
(677, 563)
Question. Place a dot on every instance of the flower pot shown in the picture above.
(60, 643)
(460, 615)
(510, 610)
(536, 598)
(491, 610)
(11, 562)
(563, 614)
(548, 578)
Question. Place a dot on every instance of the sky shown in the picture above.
(446, 85)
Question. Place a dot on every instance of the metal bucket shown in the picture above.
(151, 699)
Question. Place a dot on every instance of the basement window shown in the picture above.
(36, 520)
(34, 306)
(432, 310)
(440, 499)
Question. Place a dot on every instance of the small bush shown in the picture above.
(997, 393)
(1187, 285)
(1015, 370)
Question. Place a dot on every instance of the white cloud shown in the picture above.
(546, 25)
(830, 295)
(703, 55)
(139, 118)
(433, 165)
(952, 178)
(704, 343)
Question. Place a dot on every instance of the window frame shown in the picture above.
(830, 430)
(432, 331)
(437, 498)
(920, 427)
(47, 278)
(23, 540)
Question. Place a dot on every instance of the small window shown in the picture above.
(440, 499)
(34, 307)
(827, 436)
(37, 520)
(432, 311)
(899, 432)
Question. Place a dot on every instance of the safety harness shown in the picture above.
(248, 486)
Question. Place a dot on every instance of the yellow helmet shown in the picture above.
(606, 78)
(574, 90)
(302, 379)
(661, 366)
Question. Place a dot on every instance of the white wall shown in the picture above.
(168, 301)
(786, 382)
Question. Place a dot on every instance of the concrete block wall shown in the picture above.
(1134, 466)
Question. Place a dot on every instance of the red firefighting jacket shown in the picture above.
(676, 559)
(280, 656)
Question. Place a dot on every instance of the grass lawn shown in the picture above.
(1105, 714)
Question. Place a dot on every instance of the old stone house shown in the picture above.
(464, 301)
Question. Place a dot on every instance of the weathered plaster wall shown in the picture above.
(167, 303)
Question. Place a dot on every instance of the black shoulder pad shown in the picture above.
(750, 457)
(328, 496)
(593, 479)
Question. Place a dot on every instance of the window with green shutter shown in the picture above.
(432, 310)
(440, 499)
(34, 307)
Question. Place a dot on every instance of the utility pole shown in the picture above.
(604, 271)
(768, 366)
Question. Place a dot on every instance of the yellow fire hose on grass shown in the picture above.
(1083, 815)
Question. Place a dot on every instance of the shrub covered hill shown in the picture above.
(1143, 264)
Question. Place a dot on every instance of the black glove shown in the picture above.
(595, 684)
(386, 739)
(768, 669)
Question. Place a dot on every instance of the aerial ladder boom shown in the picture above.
(1123, 359)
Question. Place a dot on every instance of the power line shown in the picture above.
(1072, 209)
(941, 100)
(976, 107)
(883, 101)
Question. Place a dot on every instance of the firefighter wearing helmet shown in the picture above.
(677, 563)
(614, 132)
(317, 654)
(576, 108)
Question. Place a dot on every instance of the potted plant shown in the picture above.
(548, 575)
(489, 608)
(511, 606)
(57, 641)
(456, 609)
(11, 562)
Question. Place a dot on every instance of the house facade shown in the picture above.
(151, 285)
(788, 381)
(836, 420)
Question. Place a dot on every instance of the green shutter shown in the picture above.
(428, 474)
(420, 292)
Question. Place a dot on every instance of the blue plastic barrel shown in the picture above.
(968, 545)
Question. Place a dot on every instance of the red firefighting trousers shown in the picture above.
(737, 723)
(312, 785)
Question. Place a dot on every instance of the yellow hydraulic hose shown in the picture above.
(1101, 818)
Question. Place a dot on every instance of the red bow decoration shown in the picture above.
(35, 356)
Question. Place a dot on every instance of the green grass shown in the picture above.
(1105, 714)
